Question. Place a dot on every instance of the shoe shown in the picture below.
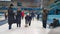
(26, 26)
(9, 28)
(29, 25)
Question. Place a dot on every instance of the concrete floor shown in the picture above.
(35, 28)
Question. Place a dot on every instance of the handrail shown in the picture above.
(55, 5)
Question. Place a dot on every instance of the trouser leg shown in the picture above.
(20, 24)
(22, 17)
(26, 23)
(17, 24)
(44, 24)
(29, 22)
(10, 26)
(33, 18)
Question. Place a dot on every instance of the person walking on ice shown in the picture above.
(28, 19)
(18, 18)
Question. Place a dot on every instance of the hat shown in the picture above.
(11, 5)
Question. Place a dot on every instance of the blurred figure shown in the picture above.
(18, 18)
(10, 16)
(32, 15)
(38, 16)
(22, 14)
(55, 23)
(5, 16)
(44, 17)
(15, 17)
(28, 20)
(56, 12)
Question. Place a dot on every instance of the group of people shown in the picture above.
(20, 15)
(12, 17)
(55, 22)
(16, 17)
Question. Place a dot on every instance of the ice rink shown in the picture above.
(35, 28)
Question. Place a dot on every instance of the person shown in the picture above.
(55, 23)
(10, 16)
(28, 20)
(56, 11)
(32, 15)
(44, 18)
(22, 14)
(18, 18)
(5, 16)
(38, 16)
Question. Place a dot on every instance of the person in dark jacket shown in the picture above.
(10, 15)
(32, 15)
(44, 17)
(38, 16)
(55, 23)
(18, 18)
(28, 19)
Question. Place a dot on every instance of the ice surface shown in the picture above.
(35, 28)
